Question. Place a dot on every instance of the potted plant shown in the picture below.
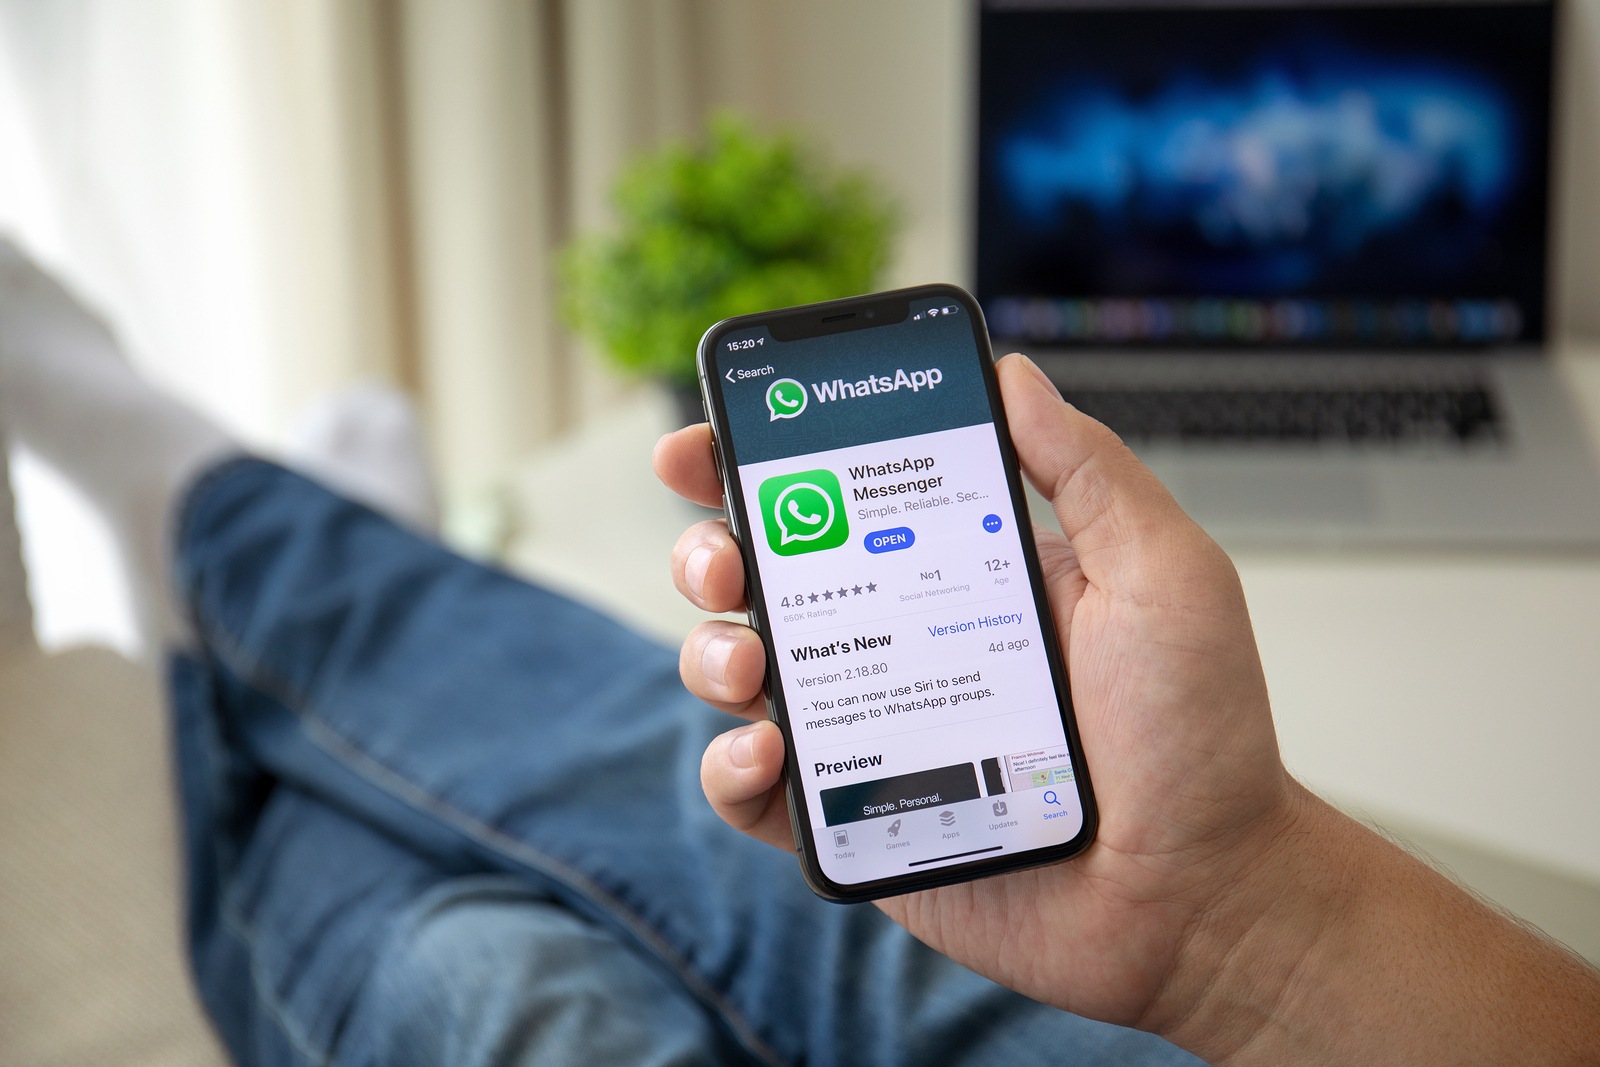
(741, 222)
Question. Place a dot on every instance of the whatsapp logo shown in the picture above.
(803, 512)
(786, 398)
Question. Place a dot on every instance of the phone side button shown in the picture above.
(722, 476)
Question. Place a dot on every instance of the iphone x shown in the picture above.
(912, 662)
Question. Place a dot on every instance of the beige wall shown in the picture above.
(1578, 242)
(885, 83)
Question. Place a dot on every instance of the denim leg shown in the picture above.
(485, 971)
(492, 729)
(334, 944)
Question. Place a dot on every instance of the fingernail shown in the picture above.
(1042, 376)
(714, 660)
(742, 749)
(695, 567)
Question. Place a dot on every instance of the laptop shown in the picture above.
(1297, 254)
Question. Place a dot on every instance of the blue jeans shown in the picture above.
(436, 815)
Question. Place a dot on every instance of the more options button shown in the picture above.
(901, 794)
(890, 540)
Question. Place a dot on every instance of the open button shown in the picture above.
(879, 541)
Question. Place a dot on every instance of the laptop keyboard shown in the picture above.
(1383, 416)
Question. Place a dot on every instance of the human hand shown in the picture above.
(1170, 698)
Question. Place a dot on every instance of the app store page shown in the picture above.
(911, 660)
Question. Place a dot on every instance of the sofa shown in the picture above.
(92, 967)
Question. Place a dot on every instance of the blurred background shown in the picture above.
(275, 200)
(272, 200)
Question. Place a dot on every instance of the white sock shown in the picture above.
(366, 442)
(67, 393)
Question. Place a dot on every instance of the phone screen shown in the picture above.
(911, 656)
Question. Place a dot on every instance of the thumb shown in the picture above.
(1114, 511)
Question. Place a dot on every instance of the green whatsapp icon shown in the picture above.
(786, 398)
(803, 512)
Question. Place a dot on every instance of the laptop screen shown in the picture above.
(1219, 175)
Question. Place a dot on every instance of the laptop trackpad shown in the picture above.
(1277, 497)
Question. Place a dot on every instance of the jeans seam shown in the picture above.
(277, 1010)
(189, 498)
(231, 652)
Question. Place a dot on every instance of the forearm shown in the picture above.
(1344, 949)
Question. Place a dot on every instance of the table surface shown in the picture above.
(1456, 692)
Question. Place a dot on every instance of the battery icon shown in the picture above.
(949, 309)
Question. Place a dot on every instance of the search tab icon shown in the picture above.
(1051, 798)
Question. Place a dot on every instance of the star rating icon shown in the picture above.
(843, 592)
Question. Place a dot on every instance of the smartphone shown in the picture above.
(912, 662)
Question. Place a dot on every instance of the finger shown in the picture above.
(685, 464)
(1114, 511)
(1057, 561)
(707, 569)
(724, 664)
(1063, 579)
(741, 773)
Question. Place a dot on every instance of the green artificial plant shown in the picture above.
(743, 222)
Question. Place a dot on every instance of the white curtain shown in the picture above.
(272, 198)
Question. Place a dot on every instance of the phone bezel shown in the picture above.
(874, 311)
